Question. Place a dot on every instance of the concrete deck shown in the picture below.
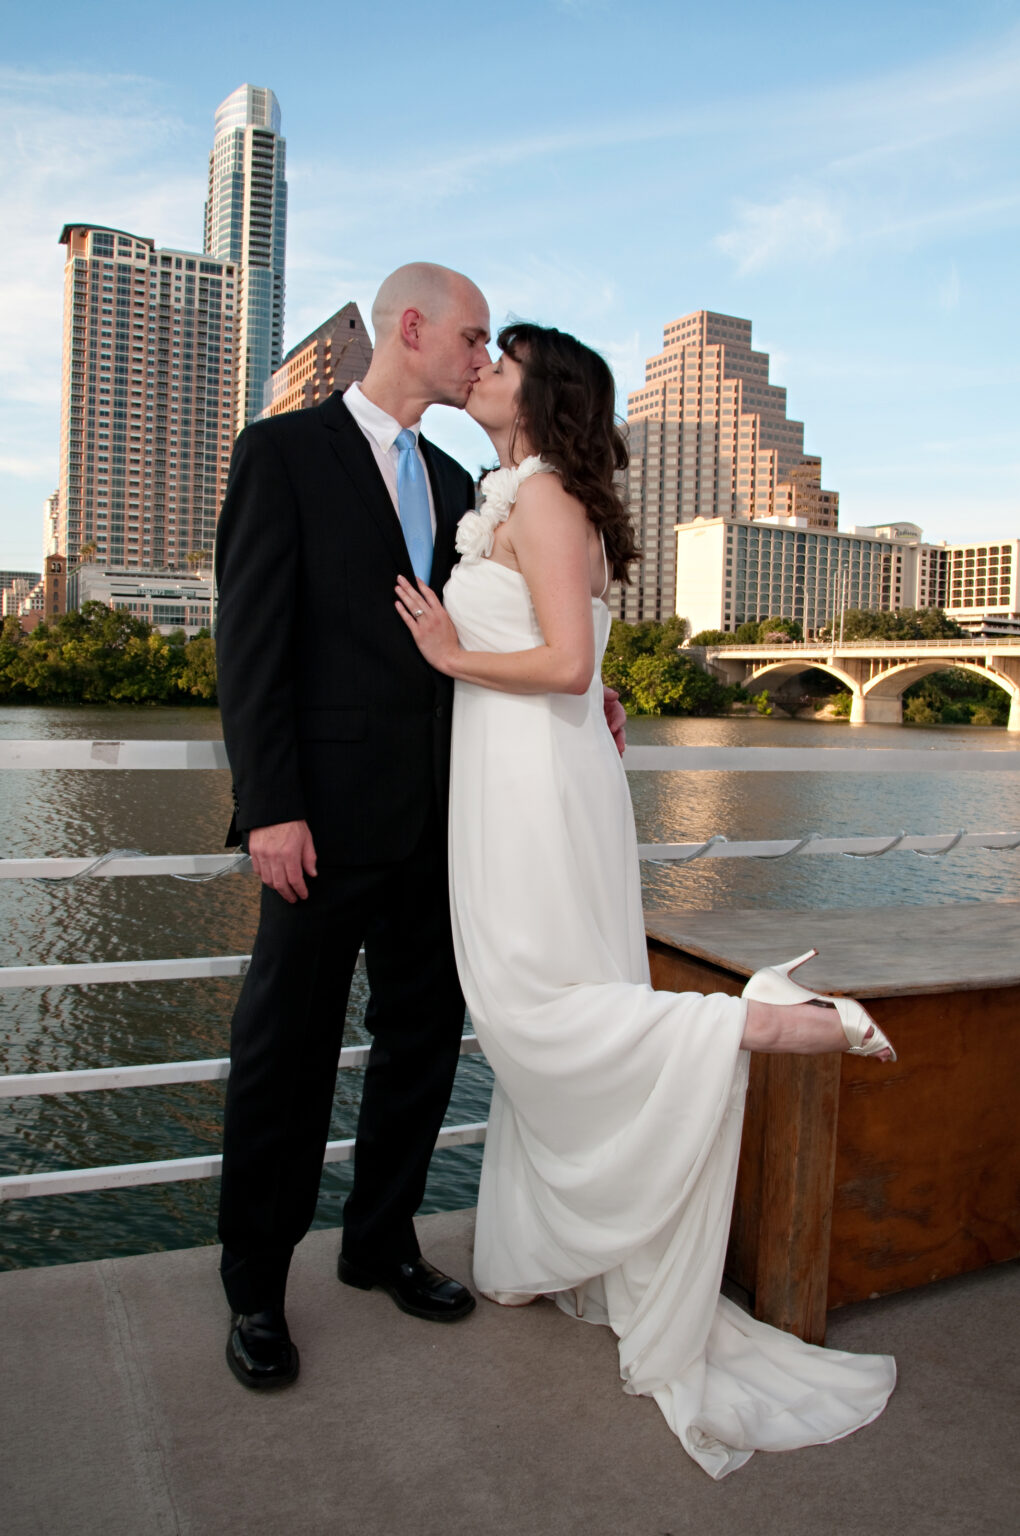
(118, 1417)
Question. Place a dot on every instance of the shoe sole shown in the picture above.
(360, 1284)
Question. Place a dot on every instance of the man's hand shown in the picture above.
(281, 856)
(616, 717)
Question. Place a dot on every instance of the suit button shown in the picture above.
(439, 711)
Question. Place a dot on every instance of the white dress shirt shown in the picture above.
(381, 431)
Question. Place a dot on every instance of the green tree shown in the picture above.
(712, 637)
(747, 633)
(778, 629)
(761, 702)
(905, 624)
(628, 642)
(198, 674)
(675, 685)
(11, 638)
(920, 712)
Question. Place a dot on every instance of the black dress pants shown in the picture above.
(285, 1043)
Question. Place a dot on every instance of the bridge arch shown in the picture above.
(892, 683)
(781, 671)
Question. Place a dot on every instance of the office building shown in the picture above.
(147, 392)
(246, 226)
(8, 579)
(167, 599)
(709, 437)
(16, 593)
(333, 356)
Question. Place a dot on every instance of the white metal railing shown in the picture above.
(153, 755)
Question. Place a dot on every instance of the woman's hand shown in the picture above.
(429, 623)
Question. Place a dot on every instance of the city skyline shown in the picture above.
(844, 181)
(709, 436)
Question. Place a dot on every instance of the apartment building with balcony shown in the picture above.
(149, 349)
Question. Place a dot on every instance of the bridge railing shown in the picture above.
(950, 646)
(156, 755)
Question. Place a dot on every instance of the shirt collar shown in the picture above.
(374, 420)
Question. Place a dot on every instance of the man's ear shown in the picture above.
(410, 328)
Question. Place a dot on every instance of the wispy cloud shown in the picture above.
(900, 160)
(949, 290)
(797, 228)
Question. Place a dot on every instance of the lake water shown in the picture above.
(78, 813)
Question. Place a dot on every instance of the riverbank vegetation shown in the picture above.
(855, 624)
(103, 655)
(653, 676)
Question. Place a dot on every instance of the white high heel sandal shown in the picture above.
(773, 984)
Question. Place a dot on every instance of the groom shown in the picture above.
(338, 738)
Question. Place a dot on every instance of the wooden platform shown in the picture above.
(859, 1178)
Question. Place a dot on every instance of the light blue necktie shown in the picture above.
(413, 500)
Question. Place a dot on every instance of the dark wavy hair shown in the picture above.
(567, 409)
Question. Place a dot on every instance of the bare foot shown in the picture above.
(798, 1029)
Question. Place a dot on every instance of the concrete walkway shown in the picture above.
(118, 1417)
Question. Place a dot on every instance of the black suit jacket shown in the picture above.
(330, 715)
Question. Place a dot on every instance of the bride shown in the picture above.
(614, 1133)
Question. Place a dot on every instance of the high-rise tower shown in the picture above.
(146, 400)
(710, 437)
(246, 223)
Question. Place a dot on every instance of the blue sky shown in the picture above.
(844, 176)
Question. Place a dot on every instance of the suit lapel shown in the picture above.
(447, 518)
(358, 465)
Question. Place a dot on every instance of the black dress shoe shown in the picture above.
(417, 1287)
(259, 1350)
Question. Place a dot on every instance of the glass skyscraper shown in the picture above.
(246, 223)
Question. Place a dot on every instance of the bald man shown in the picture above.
(338, 738)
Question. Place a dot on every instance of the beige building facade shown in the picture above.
(731, 571)
(710, 437)
(149, 349)
(983, 581)
(336, 354)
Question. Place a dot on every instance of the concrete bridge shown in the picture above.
(875, 671)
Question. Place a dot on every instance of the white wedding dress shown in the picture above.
(614, 1133)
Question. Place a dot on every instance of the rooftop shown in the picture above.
(120, 1418)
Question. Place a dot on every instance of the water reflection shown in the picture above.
(87, 813)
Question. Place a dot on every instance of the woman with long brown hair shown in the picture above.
(615, 1125)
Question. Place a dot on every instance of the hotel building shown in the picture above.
(147, 392)
(246, 226)
(983, 582)
(731, 571)
(709, 437)
(336, 354)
